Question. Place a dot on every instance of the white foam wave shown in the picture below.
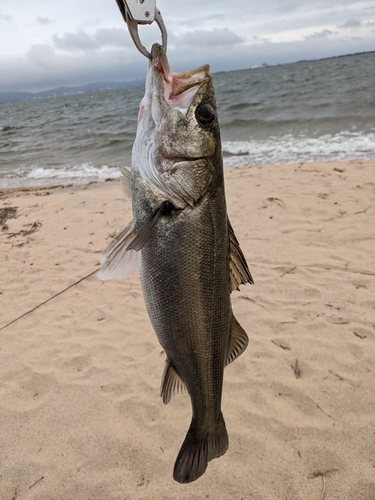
(291, 149)
(84, 171)
(48, 176)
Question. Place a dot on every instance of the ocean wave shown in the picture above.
(48, 176)
(292, 149)
(10, 128)
(83, 171)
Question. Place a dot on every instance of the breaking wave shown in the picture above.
(48, 176)
(292, 149)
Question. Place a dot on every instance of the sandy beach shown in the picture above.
(80, 411)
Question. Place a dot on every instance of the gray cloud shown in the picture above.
(5, 17)
(79, 41)
(257, 39)
(255, 54)
(320, 34)
(213, 38)
(42, 56)
(44, 68)
(82, 41)
(113, 37)
(286, 7)
(43, 20)
(202, 20)
(351, 23)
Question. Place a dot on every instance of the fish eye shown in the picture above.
(205, 114)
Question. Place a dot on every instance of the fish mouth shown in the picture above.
(160, 62)
(176, 161)
(179, 89)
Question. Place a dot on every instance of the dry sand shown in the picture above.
(81, 417)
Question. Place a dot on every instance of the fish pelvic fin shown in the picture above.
(198, 449)
(171, 383)
(116, 260)
(238, 341)
(238, 269)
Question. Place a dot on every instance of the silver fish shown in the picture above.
(188, 254)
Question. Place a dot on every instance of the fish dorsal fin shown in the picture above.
(125, 183)
(238, 269)
(116, 261)
(171, 383)
(145, 231)
(238, 341)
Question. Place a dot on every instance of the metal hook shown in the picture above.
(133, 30)
(134, 14)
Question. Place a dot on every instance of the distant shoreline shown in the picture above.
(16, 96)
(66, 91)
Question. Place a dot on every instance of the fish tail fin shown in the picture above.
(198, 449)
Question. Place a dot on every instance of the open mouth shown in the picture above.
(179, 88)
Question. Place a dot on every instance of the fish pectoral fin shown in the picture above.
(238, 341)
(238, 268)
(125, 183)
(116, 261)
(171, 383)
(145, 232)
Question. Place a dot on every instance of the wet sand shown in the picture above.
(80, 412)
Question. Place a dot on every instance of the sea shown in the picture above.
(319, 110)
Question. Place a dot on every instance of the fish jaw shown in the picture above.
(177, 89)
(170, 144)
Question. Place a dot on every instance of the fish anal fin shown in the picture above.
(198, 449)
(238, 341)
(171, 383)
(238, 268)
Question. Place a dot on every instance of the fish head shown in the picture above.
(177, 148)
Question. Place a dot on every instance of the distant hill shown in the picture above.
(90, 87)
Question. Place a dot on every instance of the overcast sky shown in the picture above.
(49, 43)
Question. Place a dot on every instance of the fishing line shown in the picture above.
(45, 302)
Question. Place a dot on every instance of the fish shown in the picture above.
(186, 250)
